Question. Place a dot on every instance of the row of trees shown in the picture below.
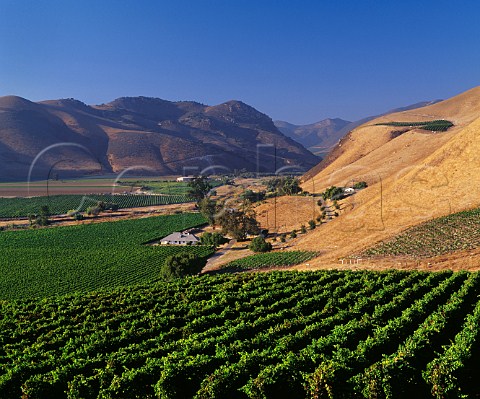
(238, 222)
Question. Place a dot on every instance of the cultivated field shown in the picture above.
(51, 261)
(455, 232)
(270, 259)
(57, 187)
(61, 204)
(261, 335)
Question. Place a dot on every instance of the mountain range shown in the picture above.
(142, 135)
(320, 137)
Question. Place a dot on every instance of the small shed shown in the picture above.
(176, 238)
(349, 190)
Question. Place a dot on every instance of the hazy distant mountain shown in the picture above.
(321, 136)
(147, 135)
(316, 134)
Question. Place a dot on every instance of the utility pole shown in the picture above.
(313, 199)
(275, 198)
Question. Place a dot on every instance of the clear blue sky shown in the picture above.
(299, 61)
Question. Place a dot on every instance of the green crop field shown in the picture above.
(439, 125)
(60, 260)
(327, 334)
(61, 204)
(455, 232)
(270, 259)
(167, 187)
(159, 186)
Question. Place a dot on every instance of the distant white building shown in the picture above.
(348, 190)
(184, 238)
(185, 178)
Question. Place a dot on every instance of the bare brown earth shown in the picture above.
(413, 177)
(22, 189)
(292, 212)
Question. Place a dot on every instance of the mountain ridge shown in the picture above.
(146, 134)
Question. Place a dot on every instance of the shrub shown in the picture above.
(181, 265)
(213, 239)
(259, 244)
(303, 229)
(93, 211)
(359, 185)
(311, 224)
(293, 234)
(283, 237)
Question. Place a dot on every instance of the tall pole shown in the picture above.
(275, 198)
(313, 198)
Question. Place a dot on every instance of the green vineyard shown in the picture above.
(455, 232)
(270, 259)
(328, 334)
(61, 260)
(61, 204)
(439, 125)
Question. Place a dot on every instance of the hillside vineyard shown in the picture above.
(268, 335)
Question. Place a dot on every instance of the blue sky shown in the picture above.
(299, 61)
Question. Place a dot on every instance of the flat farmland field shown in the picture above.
(61, 260)
(78, 186)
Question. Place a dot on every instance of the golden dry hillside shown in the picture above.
(413, 175)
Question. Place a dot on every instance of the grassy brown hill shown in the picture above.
(414, 175)
(322, 136)
(148, 135)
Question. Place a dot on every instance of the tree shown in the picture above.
(41, 219)
(199, 187)
(259, 244)
(303, 229)
(92, 211)
(253, 196)
(283, 185)
(213, 239)
(239, 224)
(208, 209)
(181, 265)
(333, 193)
(311, 224)
(293, 234)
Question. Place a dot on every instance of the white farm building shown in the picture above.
(185, 178)
(184, 238)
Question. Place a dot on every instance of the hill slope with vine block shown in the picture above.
(455, 232)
